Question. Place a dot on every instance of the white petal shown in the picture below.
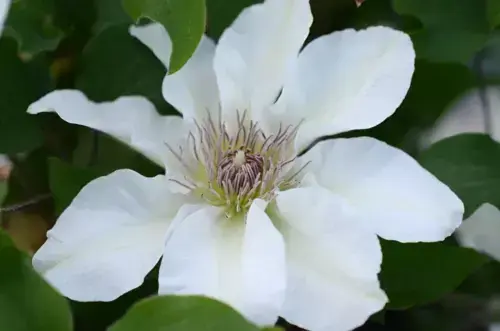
(109, 238)
(348, 80)
(482, 230)
(133, 120)
(4, 11)
(468, 114)
(237, 263)
(256, 51)
(193, 89)
(332, 264)
(155, 37)
(394, 195)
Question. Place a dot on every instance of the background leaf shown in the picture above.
(493, 7)
(109, 13)
(418, 273)
(20, 85)
(183, 19)
(470, 165)
(66, 181)
(27, 303)
(453, 30)
(115, 64)
(31, 23)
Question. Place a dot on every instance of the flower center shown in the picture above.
(231, 167)
(241, 170)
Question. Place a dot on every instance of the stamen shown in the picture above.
(240, 164)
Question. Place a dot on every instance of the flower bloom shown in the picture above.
(241, 215)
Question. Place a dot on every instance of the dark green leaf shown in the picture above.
(31, 23)
(453, 30)
(66, 181)
(115, 64)
(493, 7)
(182, 313)
(183, 19)
(20, 85)
(27, 303)
(469, 164)
(418, 273)
(109, 13)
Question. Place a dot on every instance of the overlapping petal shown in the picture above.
(475, 111)
(193, 89)
(347, 80)
(109, 238)
(256, 51)
(133, 120)
(481, 231)
(332, 263)
(395, 197)
(238, 262)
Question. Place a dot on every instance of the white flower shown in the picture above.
(481, 231)
(238, 216)
(471, 113)
(4, 10)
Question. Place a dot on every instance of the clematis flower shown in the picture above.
(240, 215)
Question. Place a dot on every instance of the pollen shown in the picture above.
(239, 159)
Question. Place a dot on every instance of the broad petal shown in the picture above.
(239, 263)
(133, 120)
(256, 51)
(470, 113)
(394, 196)
(193, 89)
(347, 80)
(4, 11)
(332, 264)
(109, 238)
(481, 230)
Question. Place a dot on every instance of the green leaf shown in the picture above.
(470, 165)
(20, 85)
(31, 23)
(419, 273)
(116, 64)
(27, 303)
(109, 13)
(453, 30)
(493, 7)
(66, 181)
(183, 19)
(182, 313)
